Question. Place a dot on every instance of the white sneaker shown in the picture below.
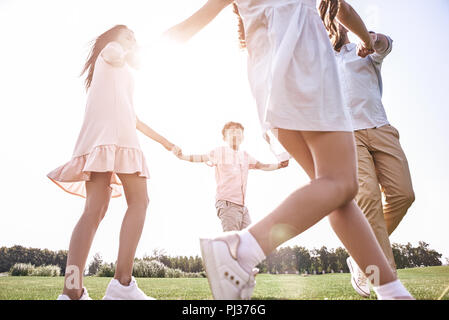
(227, 279)
(84, 296)
(359, 281)
(117, 291)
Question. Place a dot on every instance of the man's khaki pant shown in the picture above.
(233, 217)
(383, 168)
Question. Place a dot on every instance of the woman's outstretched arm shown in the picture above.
(188, 28)
(150, 133)
(352, 21)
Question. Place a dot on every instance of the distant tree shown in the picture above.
(400, 256)
(323, 256)
(35, 256)
(303, 259)
(94, 266)
(426, 256)
(341, 256)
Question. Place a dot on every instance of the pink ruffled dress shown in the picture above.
(108, 139)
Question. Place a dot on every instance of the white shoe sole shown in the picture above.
(354, 284)
(110, 298)
(211, 268)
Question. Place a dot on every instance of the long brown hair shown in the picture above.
(241, 27)
(97, 45)
(328, 12)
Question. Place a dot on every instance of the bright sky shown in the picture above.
(187, 93)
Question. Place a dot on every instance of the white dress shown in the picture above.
(292, 68)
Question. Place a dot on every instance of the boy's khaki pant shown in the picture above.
(383, 168)
(233, 217)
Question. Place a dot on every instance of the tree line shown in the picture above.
(295, 259)
(34, 256)
(300, 260)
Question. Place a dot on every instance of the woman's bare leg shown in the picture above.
(137, 199)
(330, 161)
(332, 187)
(97, 201)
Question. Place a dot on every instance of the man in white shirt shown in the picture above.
(382, 164)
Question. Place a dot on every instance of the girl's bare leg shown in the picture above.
(137, 199)
(330, 161)
(97, 201)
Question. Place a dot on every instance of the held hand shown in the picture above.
(283, 164)
(364, 49)
(168, 146)
(177, 151)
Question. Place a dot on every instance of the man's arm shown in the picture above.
(381, 42)
(382, 46)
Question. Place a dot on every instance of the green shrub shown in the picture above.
(21, 269)
(201, 274)
(149, 269)
(174, 273)
(47, 271)
(34, 256)
(106, 270)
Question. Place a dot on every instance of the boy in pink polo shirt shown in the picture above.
(231, 173)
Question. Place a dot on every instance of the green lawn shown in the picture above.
(424, 283)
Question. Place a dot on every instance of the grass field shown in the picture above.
(424, 283)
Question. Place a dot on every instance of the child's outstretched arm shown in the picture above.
(191, 157)
(351, 20)
(188, 28)
(271, 167)
(150, 133)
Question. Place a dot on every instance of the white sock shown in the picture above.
(391, 290)
(249, 253)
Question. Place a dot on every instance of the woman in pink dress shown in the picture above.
(107, 158)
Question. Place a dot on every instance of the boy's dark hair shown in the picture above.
(231, 125)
